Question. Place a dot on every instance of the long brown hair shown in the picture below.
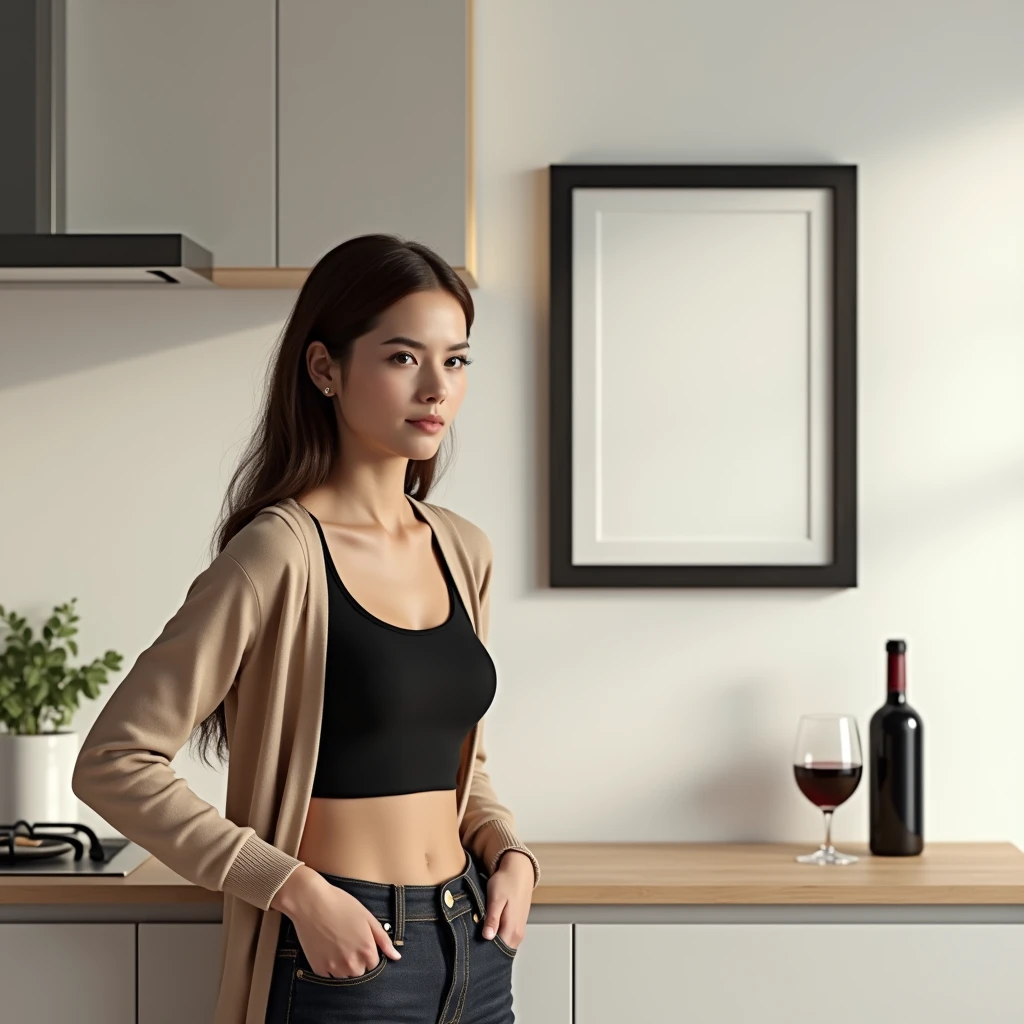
(296, 443)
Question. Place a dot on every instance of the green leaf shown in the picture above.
(38, 687)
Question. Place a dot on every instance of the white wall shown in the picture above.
(633, 714)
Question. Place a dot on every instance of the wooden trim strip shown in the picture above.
(285, 277)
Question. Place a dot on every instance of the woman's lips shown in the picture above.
(427, 426)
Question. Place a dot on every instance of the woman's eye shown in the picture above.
(463, 360)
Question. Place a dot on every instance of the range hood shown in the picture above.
(34, 247)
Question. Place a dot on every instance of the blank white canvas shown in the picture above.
(701, 366)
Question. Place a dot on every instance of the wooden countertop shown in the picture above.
(651, 873)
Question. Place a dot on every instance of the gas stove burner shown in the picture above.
(53, 848)
(24, 841)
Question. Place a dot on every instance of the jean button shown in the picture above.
(448, 901)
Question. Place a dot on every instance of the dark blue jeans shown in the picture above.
(449, 973)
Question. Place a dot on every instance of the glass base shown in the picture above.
(828, 855)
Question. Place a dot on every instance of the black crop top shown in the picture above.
(397, 702)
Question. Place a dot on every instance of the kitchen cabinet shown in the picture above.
(83, 973)
(179, 971)
(704, 933)
(542, 975)
(775, 974)
(271, 131)
(170, 122)
(375, 121)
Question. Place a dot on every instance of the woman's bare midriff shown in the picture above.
(413, 838)
(410, 839)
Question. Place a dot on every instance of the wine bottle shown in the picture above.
(895, 753)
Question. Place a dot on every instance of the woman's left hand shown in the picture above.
(509, 894)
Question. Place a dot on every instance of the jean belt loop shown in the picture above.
(478, 897)
(399, 936)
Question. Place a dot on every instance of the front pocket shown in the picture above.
(305, 974)
(503, 945)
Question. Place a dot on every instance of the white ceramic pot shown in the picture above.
(35, 777)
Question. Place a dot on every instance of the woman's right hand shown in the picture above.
(339, 936)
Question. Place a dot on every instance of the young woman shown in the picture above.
(336, 646)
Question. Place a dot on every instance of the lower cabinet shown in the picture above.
(80, 973)
(692, 973)
(777, 974)
(542, 975)
(179, 970)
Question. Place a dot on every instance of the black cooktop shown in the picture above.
(65, 848)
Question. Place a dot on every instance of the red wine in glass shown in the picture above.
(827, 765)
(827, 784)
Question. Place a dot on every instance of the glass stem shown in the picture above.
(828, 830)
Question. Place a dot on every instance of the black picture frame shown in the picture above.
(841, 179)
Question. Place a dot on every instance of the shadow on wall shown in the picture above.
(741, 797)
(48, 332)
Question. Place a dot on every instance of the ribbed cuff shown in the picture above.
(258, 872)
(494, 838)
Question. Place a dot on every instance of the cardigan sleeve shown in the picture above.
(488, 826)
(123, 769)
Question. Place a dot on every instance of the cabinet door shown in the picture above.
(778, 974)
(179, 972)
(374, 113)
(170, 122)
(542, 975)
(81, 973)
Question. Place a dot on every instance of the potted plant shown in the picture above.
(39, 694)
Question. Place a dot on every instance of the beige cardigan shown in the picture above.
(252, 631)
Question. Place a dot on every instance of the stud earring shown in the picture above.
(327, 391)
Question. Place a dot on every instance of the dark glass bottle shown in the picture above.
(896, 756)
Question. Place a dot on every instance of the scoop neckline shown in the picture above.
(446, 571)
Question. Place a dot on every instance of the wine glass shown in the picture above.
(827, 764)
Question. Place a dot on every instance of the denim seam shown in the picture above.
(465, 985)
(455, 975)
(357, 979)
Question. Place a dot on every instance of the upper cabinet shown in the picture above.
(170, 122)
(271, 130)
(375, 126)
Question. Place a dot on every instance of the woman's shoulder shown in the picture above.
(473, 538)
(469, 532)
(271, 542)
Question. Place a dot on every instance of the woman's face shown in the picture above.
(411, 366)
